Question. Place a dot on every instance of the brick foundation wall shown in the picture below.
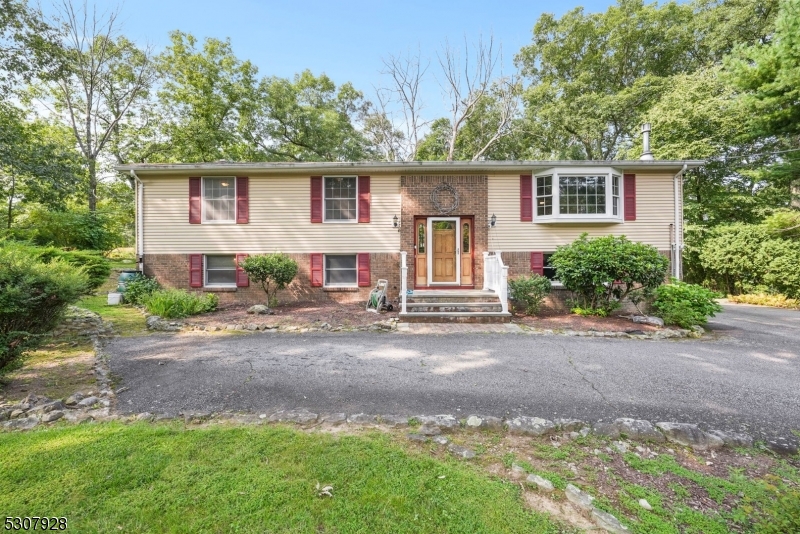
(473, 198)
(172, 270)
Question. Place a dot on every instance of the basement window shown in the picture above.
(340, 270)
(220, 271)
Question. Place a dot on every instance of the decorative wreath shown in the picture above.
(444, 198)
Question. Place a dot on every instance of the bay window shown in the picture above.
(592, 196)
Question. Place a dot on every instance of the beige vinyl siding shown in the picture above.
(280, 220)
(654, 213)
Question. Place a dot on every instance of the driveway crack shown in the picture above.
(591, 384)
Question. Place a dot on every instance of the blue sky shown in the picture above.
(346, 40)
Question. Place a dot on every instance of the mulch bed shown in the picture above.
(296, 313)
(551, 320)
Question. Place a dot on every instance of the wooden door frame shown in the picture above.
(428, 242)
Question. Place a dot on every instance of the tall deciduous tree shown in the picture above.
(594, 75)
(204, 96)
(102, 77)
(28, 48)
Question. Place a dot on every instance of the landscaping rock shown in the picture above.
(47, 407)
(331, 418)
(144, 416)
(362, 419)
(530, 426)
(23, 423)
(484, 422)
(579, 498)
(88, 402)
(302, 417)
(152, 321)
(445, 422)
(5, 415)
(55, 415)
(251, 326)
(417, 437)
(15, 414)
(518, 469)
(637, 429)
(429, 430)
(569, 425)
(732, 439)
(609, 522)
(644, 504)
(698, 329)
(441, 440)
(782, 446)
(260, 309)
(690, 435)
(394, 420)
(461, 452)
(620, 446)
(197, 418)
(648, 319)
(541, 483)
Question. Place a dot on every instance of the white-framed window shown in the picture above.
(219, 200)
(341, 270)
(564, 195)
(219, 270)
(340, 195)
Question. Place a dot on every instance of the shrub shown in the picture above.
(272, 271)
(33, 297)
(602, 271)
(529, 291)
(732, 257)
(176, 303)
(762, 299)
(685, 304)
(138, 288)
(96, 266)
(75, 229)
(782, 273)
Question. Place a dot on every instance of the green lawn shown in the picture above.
(165, 478)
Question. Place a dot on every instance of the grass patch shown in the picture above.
(56, 370)
(127, 320)
(165, 478)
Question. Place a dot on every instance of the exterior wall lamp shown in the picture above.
(493, 221)
(396, 223)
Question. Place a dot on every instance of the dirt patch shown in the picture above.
(54, 371)
(550, 320)
(300, 314)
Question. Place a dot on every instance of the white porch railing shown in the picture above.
(403, 281)
(495, 277)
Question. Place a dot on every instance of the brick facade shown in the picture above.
(473, 196)
(172, 270)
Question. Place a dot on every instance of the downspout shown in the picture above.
(139, 220)
(677, 263)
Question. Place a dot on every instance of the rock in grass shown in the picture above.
(429, 430)
(362, 419)
(394, 420)
(484, 422)
(690, 435)
(579, 498)
(461, 452)
(609, 522)
(540, 482)
(88, 402)
(644, 504)
(445, 422)
(23, 423)
(732, 439)
(441, 440)
(413, 436)
(55, 415)
(530, 426)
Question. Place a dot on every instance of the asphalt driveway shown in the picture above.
(745, 376)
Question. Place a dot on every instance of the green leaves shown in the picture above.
(684, 304)
(272, 271)
(529, 291)
(604, 270)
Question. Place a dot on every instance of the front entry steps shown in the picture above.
(454, 306)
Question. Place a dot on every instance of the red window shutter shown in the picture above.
(316, 270)
(195, 201)
(241, 276)
(242, 200)
(195, 270)
(316, 199)
(629, 186)
(363, 199)
(363, 270)
(525, 197)
(537, 263)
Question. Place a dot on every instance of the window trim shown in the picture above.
(205, 272)
(325, 200)
(555, 175)
(325, 285)
(203, 219)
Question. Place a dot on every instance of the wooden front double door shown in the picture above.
(443, 251)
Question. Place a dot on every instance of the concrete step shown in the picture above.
(445, 304)
(455, 317)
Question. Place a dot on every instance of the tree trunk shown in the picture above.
(11, 196)
(92, 184)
